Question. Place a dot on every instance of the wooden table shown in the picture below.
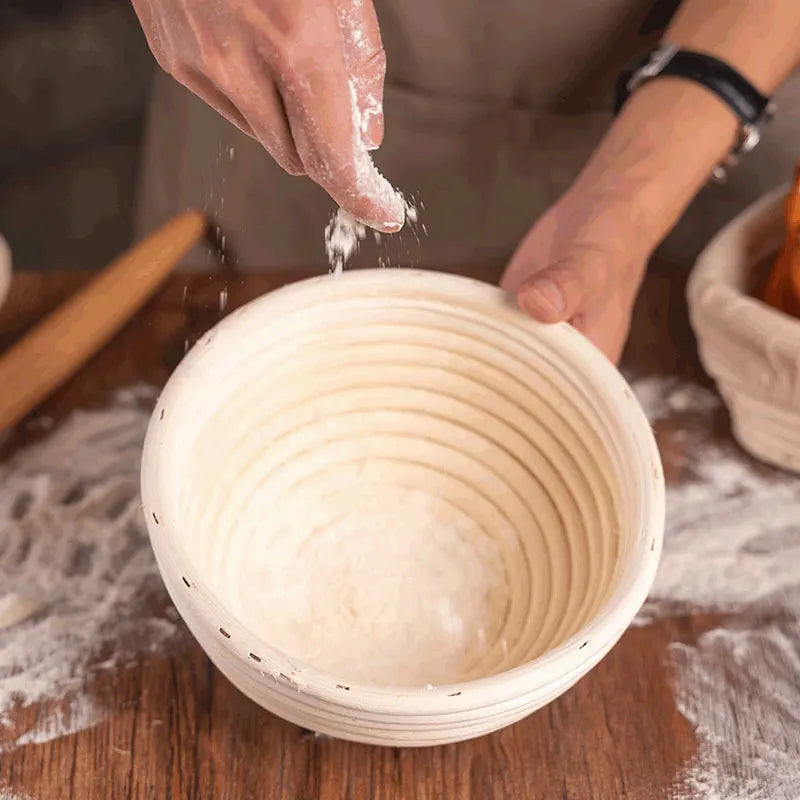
(616, 734)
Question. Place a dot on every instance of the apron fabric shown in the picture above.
(491, 110)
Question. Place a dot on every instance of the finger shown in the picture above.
(257, 97)
(329, 143)
(244, 93)
(532, 255)
(271, 128)
(322, 109)
(365, 59)
(567, 288)
(236, 88)
(207, 91)
(276, 141)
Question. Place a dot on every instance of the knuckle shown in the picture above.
(281, 150)
(181, 71)
(376, 63)
(218, 75)
(298, 51)
(294, 167)
(333, 172)
(163, 60)
(294, 34)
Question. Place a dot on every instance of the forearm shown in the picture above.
(671, 132)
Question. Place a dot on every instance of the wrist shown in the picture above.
(657, 155)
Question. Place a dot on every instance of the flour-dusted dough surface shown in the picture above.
(373, 581)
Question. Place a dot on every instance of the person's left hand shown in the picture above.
(582, 262)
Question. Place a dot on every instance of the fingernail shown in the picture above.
(372, 131)
(548, 291)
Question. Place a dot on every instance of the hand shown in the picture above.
(303, 77)
(582, 262)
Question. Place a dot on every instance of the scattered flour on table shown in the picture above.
(8, 794)
(733, 529)
(77, 575)
(732, 544)
(740, 690)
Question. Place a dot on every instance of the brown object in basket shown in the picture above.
(782, 290)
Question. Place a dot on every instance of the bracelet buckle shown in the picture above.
(655, 65)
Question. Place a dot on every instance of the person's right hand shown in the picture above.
(303, 77)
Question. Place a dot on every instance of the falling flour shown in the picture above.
(342, 238)
(732, 545)
(344, 234)
(78, 581)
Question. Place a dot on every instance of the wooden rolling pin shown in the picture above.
(44, 358)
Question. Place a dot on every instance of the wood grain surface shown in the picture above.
(175, 728)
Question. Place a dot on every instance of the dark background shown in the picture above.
(74, 78)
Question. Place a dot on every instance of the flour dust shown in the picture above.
(79, 588)
(344, 235)
(740, 689)
(732, 545)
(7, 794)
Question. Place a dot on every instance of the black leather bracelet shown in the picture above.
(751, 108)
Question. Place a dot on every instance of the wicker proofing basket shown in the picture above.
(750, 349)
(400, 378)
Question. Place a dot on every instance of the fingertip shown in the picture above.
(543, 299)
(390, 227)
(391, 217)
(380, 223)
(288, 160)
(366, 195)
(294, 170)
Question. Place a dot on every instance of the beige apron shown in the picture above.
(491, 109)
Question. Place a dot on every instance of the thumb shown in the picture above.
(559, 292)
